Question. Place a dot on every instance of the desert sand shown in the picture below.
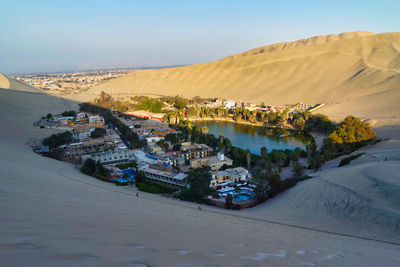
(352, 73)
(52, 215)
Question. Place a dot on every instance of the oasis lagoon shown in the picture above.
(254, 137)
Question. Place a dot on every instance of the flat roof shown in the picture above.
(179, 176)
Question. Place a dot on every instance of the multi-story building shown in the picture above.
(110, 157)
(187, 153)
(73, 151)
(214, 162)
(170, 179)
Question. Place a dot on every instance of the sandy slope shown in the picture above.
(53, 215)
(345, 71)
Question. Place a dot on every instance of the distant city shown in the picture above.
(74, 82)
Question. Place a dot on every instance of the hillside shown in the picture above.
(52, 215)
(11, 84)
(356, 73)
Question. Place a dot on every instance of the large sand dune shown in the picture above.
(346, 71)
(52, 215)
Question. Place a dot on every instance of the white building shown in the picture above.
(151, 140)
(96, 119)
(229, 104)
(214, 162)
(110, 157)
(234, 175)
(82, 135)
(165, 178)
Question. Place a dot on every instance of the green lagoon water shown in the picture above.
(254, 137)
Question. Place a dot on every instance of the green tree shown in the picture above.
(229, 201)
(227, 144)
(298, 170)
(89, 167)
(352, 130)
(248, 158)
(156, 107)
(180, 103)
(59, 139)
(98, 133)
(198, 181)
(220, 146)
(264, 152)
(172, 137)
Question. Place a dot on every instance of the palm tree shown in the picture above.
(228, 145)
(204, 130)
(221, 138)
(264, 152)
(311, 149)
(190, 131)
(262, 115)
(294, 157)
(248, 158)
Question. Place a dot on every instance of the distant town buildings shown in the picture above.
(69, 83)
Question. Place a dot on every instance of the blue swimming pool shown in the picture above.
(241, 197)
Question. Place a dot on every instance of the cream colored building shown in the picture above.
(214, 162)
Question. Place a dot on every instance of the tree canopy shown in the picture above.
(352, 130)
(59, 139)
(98, 133)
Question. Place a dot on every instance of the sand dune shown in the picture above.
(52, 215)
(4, 83)
(343, 70)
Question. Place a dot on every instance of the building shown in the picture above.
(74, 151)
(214, 162)
(110, 157)
(145, 115)
(170, 179)
(151, 140)
(187, 153)
(78, 135)
(229, 104)
(96, 119)
(234, 175)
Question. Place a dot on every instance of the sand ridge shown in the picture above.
(54, 215)
(345, 71)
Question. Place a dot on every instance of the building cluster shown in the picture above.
(167, 167)
(164, 166)
(107, 148)
(97, 148)
(81, 122)
(69, 83)
(149, 131)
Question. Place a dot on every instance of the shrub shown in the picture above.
(123, 166)
(347, 160)
(98, 133)
(59, 139)
(71, 113)
(154, 188)
(350, 134)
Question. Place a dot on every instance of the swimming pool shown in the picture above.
(241, 198)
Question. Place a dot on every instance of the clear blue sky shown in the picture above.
(56, 35)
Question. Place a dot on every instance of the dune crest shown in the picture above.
(4, 83)
(11, 84)
(345, 71)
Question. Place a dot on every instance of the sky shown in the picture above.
(55, 36)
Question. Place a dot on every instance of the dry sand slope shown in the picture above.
(359, 69)
(51, 215)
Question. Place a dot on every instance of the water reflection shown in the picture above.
(254, 137)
